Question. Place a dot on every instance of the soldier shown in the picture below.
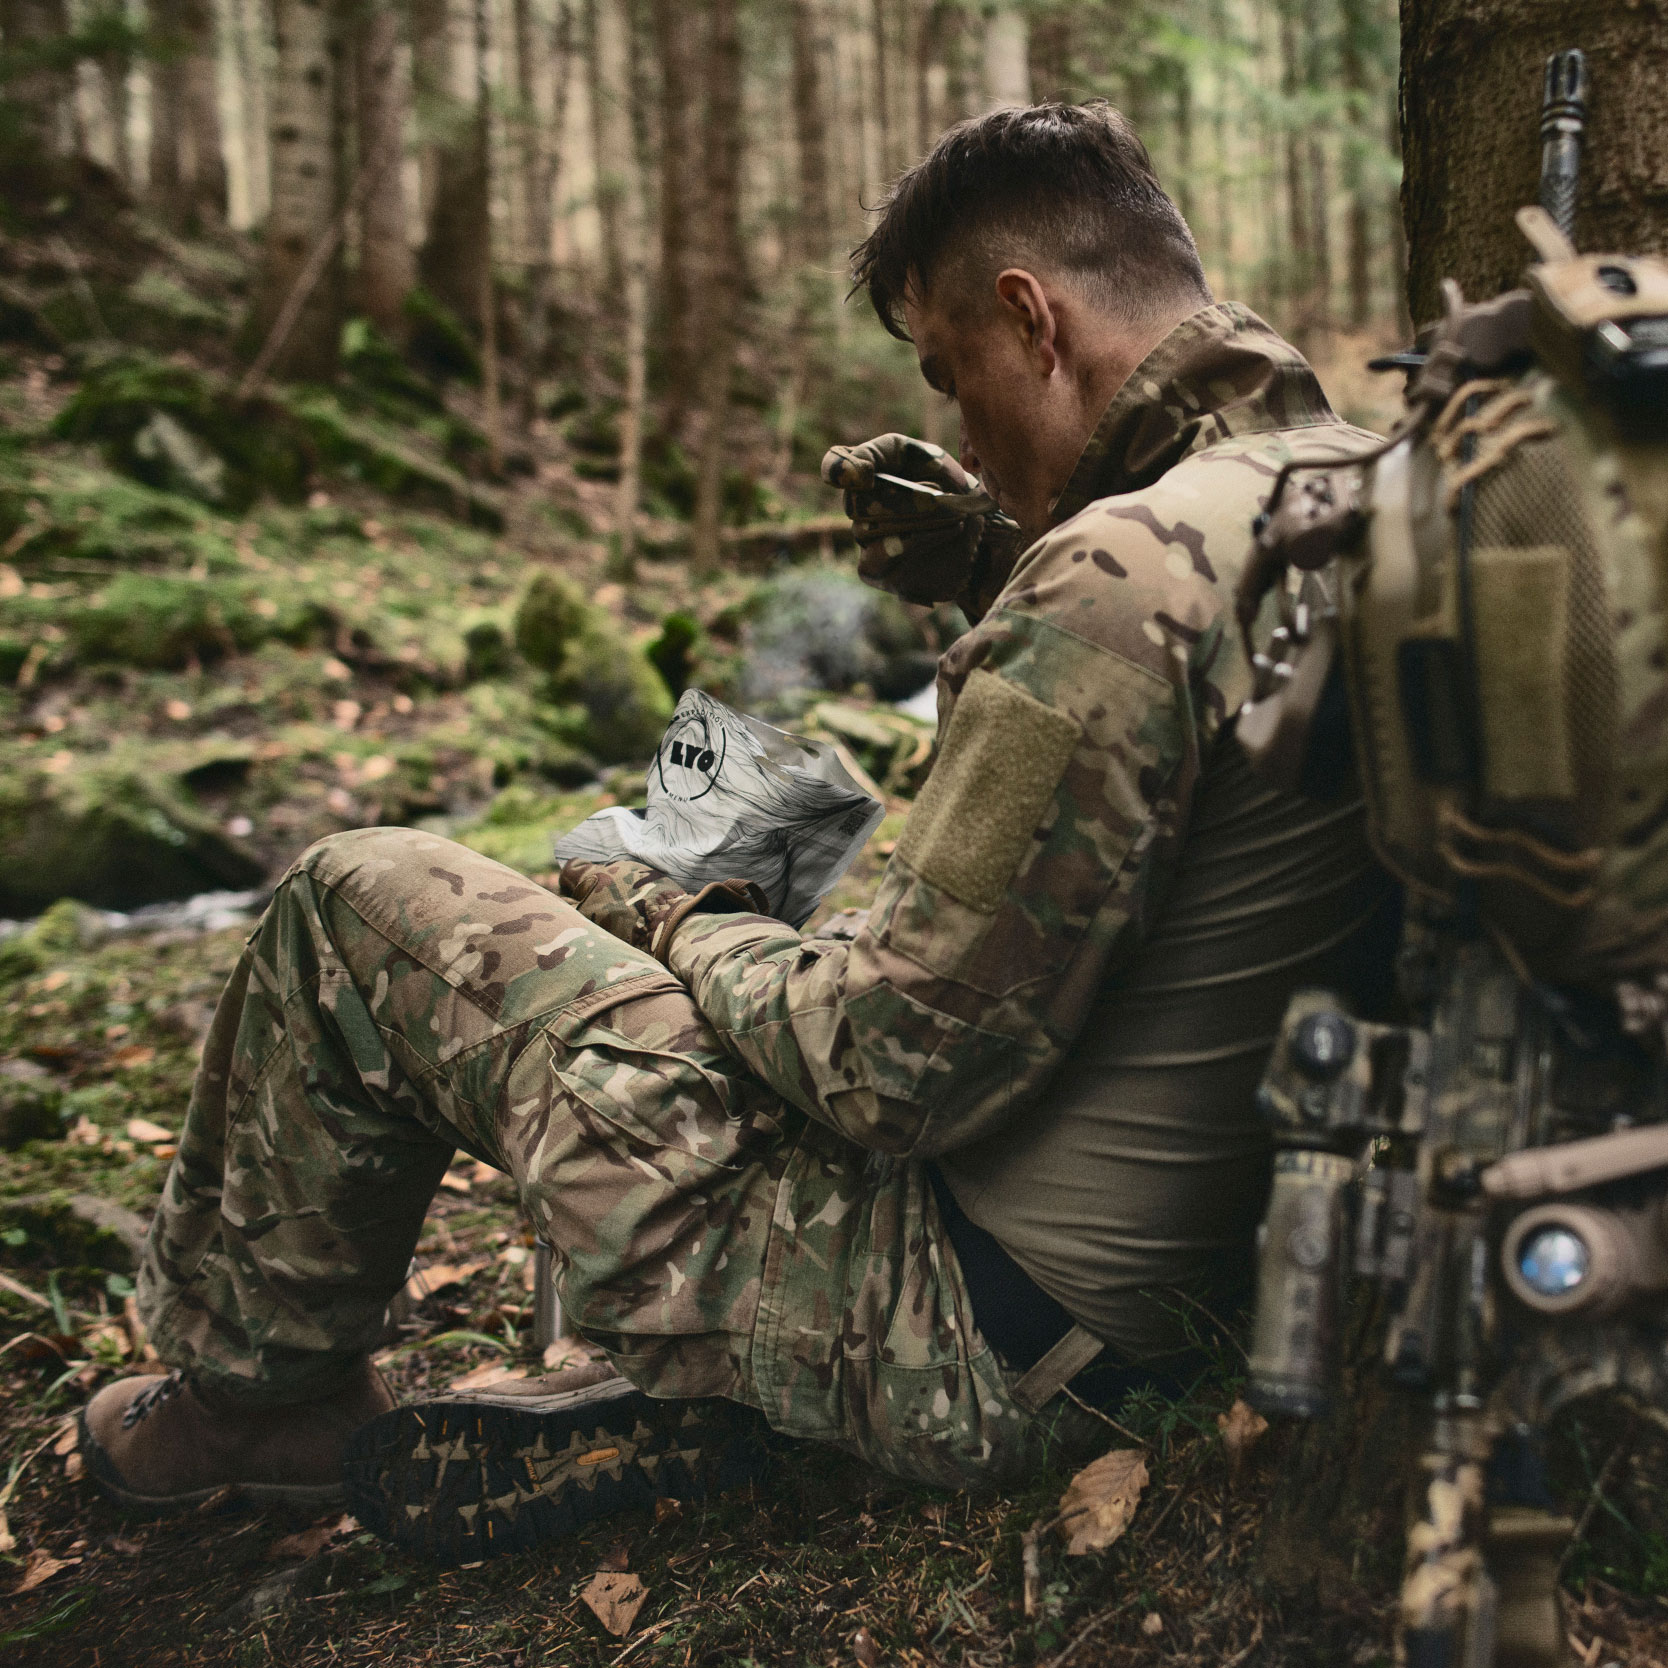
(897, 1193)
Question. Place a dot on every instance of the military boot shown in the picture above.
(466, 1475)
(156, 1444)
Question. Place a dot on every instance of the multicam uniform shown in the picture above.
(735, 1184)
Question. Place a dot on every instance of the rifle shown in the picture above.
(1495, 1172)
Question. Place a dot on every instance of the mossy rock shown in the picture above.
(166, 623)
(551, 614)
(28, 1112)
(110, 834)
(71, 1231)
(625, 701)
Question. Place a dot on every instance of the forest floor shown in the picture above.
(199, 675)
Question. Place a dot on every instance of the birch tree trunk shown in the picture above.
(387, 263)
(723, 278)
(1471, 96)
(304, 185)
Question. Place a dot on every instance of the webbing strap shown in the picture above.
(1057, 1369)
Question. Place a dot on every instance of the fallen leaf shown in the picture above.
(42, 1566)
(69, 1439)
(564, 1352)
(1101, 1499)
(73, 1467)
(864, 1648)
(616, 1558)
(1152, 1624)
(142, 1129)
(614, 1597)
(85, 1133)
(136, 1054)
(55, 980)
(127, 1548)
(454, 1183)
(667, 1510)
(305, 1542)
(425, 1282)
(1242, 1428)
(489, 1372)
(484, 1172)
(177, 710)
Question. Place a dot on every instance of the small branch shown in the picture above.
(18, 1289)
(1087, 1631)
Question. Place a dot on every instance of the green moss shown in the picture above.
(625, 701)
(549, 616)
(156, 621)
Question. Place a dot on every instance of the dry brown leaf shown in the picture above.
(864, 1648)
(1242, 1428)
(437, 1276)
(1101, 1499)
(616, 1558)
(142, 1129)
(614, 1597)
(137, 1054)
(42, 1566)
(304, 1543)
(73, 1467)
(69, 1439)
(564, 1353)
(455, 1182)
(1152, 1624)
(489, 1372)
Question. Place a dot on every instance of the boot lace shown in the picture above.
(147, 1401)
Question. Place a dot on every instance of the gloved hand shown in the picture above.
(644, 907)
(925, 529)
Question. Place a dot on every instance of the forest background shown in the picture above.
(399, 406)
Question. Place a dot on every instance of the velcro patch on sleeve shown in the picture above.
(1002, 757)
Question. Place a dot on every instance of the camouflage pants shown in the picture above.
(403, 997)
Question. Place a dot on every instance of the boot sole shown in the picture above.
(461, 1479)
(295, 1497)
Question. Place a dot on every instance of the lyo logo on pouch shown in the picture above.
(691, 755)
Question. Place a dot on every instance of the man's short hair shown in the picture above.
(1062, 187)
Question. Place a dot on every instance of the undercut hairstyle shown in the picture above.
(1061, 188)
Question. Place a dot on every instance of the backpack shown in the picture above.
(1487, 596)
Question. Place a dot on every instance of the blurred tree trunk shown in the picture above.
(1471, 96)
(1356, 42)
(387, 264)
(1300, 266)
(608, 182)
(187, 165)
(1049, 52)
(1007, 61)
(538, 168)
(618, 153)
(487, 289)
(1182, 95)
(304, 185)
(40, 96)
(723, 280)
(459, 220)
(676, 39)
(1317, 78)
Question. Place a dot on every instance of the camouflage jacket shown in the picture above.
(1074, 722)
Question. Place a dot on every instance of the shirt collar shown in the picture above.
(1220, 373)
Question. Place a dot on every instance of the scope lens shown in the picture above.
(1554, 1261)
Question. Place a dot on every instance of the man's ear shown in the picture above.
(1024, 304)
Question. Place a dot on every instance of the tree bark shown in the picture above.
(676, 39)
(304, 184)
(387, 264)
(1471, 95)
(187, 165)
(459, 220)
(42, 96)
(1049, 51)
(537, 174)
(618, 153)
(723, 277)
(1355, 37)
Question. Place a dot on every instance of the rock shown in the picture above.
(111, 836)
(176, 460)
(80, 1228)
(28, 1112)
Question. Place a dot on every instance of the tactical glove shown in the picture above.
(925, 530)
(644, 907)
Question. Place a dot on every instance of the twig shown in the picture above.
(1086, 1631)
(1250, 1645)
(1594, 1496)
(1030, 1562)
(7, 1539)
(1158, 1522)
(1105, 1418)
(312, 269)
(18, 1289)
(645, 1636)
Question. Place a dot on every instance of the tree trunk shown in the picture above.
(618, 153)
(387, 265)
(1300, 271)
(676, 43)
(1007, 62)
(187, 165)
(41, 97)
(537, 171)
(723, 278)
(460, 217)
(304, 185)
(1471, 96)
(1049, 52)
(1355, 27)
